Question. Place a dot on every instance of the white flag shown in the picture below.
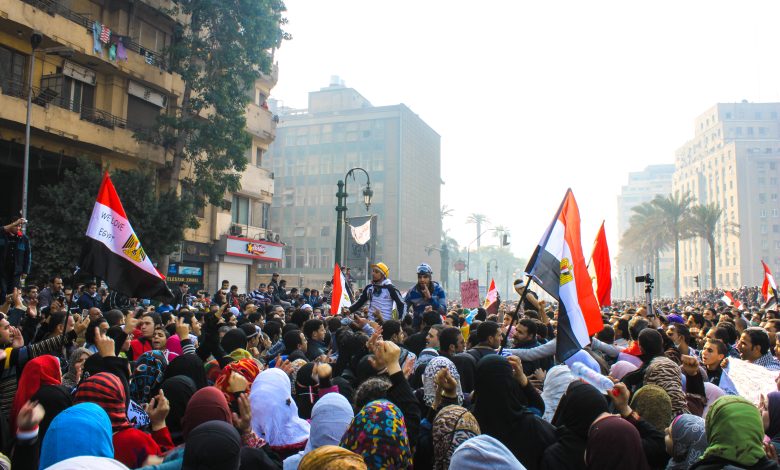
(362, 234)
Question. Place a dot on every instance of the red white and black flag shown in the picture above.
(114, 253)
(558, 266)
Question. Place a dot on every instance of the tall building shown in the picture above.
(733, 160)
(101, 76)
(316, 147)
(643, 186)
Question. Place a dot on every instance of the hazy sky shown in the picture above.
(533, 97)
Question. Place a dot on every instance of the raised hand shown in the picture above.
(104, 344)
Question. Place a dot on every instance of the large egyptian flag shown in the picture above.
(768, 288)
(113, 252)
(339, 298)
(600, 269)
(558, 266)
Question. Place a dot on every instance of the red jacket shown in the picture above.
(132, 446)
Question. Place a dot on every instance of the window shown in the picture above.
(240, 210)
(288, 250)
(266, 217)
(12, 71)
(764, 229)
(300, 257)
(739, 131)
(325, 257)
(67, 93)
(773, 180)
(151, 38)
(299, 232)
(763, 213)
(141, 114)
(259, 157)
(762, 197)
(325, 231)
(314, 258)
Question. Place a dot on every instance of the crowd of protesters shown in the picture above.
(271, 379)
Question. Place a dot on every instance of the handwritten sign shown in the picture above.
(749, 380)
(469, 293)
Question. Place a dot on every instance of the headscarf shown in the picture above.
(735, 431)
(88, 463)
(188, 365)
(452, 426)
(214, 445)
(54, 399)
(613, 442)
(246, 367)
(296, 366)
(688, 441)
(654, 406)
(106, 390)
(330, 418)
(69, 378)
(233, 339)
(429, 386)
(212, 369)
(83, 429)
(43, 370)
(238, 354)
(178, 390)
(580, 406)
(773, 406)
(332, 458)
(556, 382)
(148, 376)
(378, 433)
(713, 392)
(484, 452)
(666, 374)
(207, 404)
(621, 368)
(274, 412)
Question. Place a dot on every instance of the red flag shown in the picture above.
(729, 299)
(340, 296)
(601, 269)
(768, 288)
(491, 301)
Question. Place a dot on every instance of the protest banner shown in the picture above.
(469, 293)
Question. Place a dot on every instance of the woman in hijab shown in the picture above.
(654, 406)
(685, 441)
(88, 463)
(666, 374)
(305, 388)
(770, 416)
(712, 393)
(556, 382)
(578, 409)
(54, 399)
(330, 418)
(378, 433)
(620, 369)
(275, 414)
(614, 443)
(190, 366)
(503, 394)
(247, 368)
(483, 452)
(207, 404)
(178, 390)
(93, 439)
(651, 344)
(131, 446)
(148, 376)
(43, 370)
(214, 445)
(452, 426)
(332, 458)
(735, 436)
(75, 367)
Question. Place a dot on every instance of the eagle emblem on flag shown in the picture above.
(132, 248)
(566, 271)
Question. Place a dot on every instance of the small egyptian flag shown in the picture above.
(491, 301)
(600, 269)
(728, 299)
(769, 287)
(114, 253)
(340, 295)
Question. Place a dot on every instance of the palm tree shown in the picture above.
(448, 245)
(704, 223)
(477, 219)
(445, 212)
(675, 209)
(645, 239)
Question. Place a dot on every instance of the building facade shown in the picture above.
(733, 160)
(100, 78)
(316, 147)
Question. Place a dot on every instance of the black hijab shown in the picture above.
(54, 399)
(233, 339)
(212, 445)
(178, 390)
(190, 366)
(306, 389)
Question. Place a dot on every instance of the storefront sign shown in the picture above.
(191, 273)
(256, 249)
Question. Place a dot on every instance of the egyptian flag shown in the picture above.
(600, 269)
(558, 266)
(340, 296)
(113, 252)
(729, 299)
(768, 288)
(491, 301)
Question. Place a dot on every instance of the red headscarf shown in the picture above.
(43, 370)
(106, 390)
(207, 404)
(246, 367)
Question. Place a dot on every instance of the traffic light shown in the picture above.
(504, 239)
(696, 280)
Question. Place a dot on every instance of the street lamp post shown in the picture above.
(468, 255)
(341, 208)
(35, 41)
(487, 280)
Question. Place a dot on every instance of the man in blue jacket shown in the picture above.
(424, 294)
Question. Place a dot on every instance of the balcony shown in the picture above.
(257, 183)
(269, 81)
(261, 122)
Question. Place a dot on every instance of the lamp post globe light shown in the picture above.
(341, 208)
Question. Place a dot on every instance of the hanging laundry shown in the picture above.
(97, 28)
(149, 58)
(112, 53)
(105, 34)
(118, 41)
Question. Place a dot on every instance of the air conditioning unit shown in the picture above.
(277, 238)
(269, 235)
(236, 230)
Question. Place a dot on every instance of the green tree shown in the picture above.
(478, 220)
(704, 222)
(219, 54)
(675, 209)
(645, 239)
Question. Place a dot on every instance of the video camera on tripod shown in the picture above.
(648, 281)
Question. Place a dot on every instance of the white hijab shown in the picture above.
(274, 412)
(555, 384)
(330, 419)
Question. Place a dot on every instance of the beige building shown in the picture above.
(733, 160)
(100, 77)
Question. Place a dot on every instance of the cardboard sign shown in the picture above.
(749, 380)
(469, 293)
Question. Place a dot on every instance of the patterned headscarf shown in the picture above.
(106, 390)
(689, 441)
(429, 386)
(296, 366)
(246, 367)
(332, 458)
(666, 374)
(378, 433)
(451, 427)
(148, 376)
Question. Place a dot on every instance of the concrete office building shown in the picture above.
(316, 147)
(733, 160)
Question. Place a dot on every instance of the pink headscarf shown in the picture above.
(620, 369)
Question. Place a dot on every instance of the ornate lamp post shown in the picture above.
(341, 208)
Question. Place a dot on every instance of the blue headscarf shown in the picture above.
(83, 429)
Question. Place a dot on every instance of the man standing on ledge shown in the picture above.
(425, 294)
(381, 295)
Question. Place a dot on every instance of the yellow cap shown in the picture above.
(382, 267)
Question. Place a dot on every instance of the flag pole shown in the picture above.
(514, 315)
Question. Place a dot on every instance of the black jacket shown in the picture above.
(18, 249)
